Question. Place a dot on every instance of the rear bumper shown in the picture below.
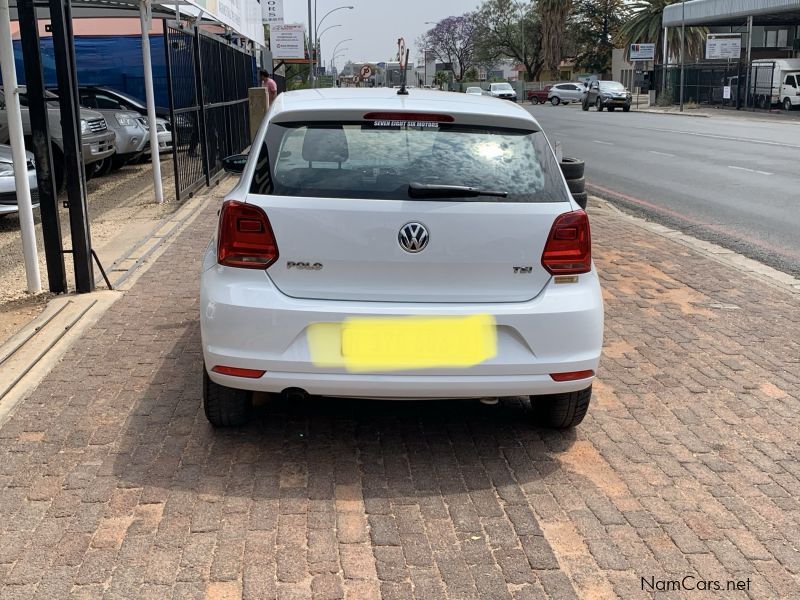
(247, 323)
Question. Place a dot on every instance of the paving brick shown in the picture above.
(112, 484)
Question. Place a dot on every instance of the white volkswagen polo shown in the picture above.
(390, 246)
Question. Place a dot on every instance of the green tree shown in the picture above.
(644, 26)
(553, 16)
(505, 30)
(594, 26)
(471, 74)
(441, 79)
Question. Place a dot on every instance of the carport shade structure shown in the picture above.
(733, 12)
(81, 243)
(730, 12)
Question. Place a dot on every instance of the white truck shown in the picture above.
(776, 81)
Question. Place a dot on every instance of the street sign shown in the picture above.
(642, 52)
(366, 72)
(724, 46)
(726, 92)
(401, 52)
(287, 41)
(272, 11)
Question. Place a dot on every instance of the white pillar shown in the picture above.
(19, 156)
(146, 17)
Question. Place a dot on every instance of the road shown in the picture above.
(729, 180)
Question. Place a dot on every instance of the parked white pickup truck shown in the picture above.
(779, 84)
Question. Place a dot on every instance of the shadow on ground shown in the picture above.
(302, 449)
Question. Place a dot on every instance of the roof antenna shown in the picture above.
(403, 91)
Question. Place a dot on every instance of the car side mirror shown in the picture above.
(235, 163)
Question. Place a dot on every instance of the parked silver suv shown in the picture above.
(131, 137)
(98, 141)
(564, 93)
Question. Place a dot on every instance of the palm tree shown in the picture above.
(644, 26)
(553, 15)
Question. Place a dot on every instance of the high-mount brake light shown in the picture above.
(568, 250)
(245, 239)
(408, 116)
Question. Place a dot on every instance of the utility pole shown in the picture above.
(311, 81)
(683, 44)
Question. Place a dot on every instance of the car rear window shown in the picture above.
(378, 160)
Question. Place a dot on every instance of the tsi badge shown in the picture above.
(303, 266)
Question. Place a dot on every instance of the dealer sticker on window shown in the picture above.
(407, 124)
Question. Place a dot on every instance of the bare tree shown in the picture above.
(452, 40)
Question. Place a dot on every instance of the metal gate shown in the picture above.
(207, 83)
(737, 85)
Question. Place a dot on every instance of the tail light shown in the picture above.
(245, 237)
(569, 246)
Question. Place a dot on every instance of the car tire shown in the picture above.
(555, 100)
(787, 104)
(582, 198)
(117, 162)
(599, 105)
(534, 100)
(576, 185)
(572, 168)
(561, 411)
(104, 167)
(612, 108)
(224, 406)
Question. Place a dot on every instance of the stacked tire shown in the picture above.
(572, 168)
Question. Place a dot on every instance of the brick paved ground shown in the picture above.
(113, 485)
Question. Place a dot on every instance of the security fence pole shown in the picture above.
(64, 51)
(42, 150)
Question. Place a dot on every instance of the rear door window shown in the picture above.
(378, 160)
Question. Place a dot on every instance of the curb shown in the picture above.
(763, 273)
(650, 111)
(29, 355)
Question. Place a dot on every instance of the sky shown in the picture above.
(374, 25)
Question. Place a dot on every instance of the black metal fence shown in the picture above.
(735, 85)
(208, 80)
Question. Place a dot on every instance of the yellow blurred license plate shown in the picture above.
(417, 342)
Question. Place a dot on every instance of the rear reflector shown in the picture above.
(572, 375)
(245, 238)
(569, 246)
(236, 372)
(407, 116)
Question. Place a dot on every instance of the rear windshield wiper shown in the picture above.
(434, 190)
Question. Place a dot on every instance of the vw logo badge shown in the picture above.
(413, 237)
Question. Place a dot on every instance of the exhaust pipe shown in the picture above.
(294, 394)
